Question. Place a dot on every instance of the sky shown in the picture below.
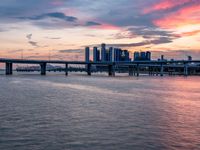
(60, 29)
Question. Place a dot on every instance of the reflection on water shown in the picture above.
(81, 112)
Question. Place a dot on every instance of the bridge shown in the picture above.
(133, 66)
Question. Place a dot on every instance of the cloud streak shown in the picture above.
(157, 41)
(57, 15)
(35, 44)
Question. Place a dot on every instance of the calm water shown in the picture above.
(99, 113)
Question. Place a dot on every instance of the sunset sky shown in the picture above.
(61, 29)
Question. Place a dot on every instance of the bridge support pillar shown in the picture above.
(66, 69)
(150, 70)
(185, 70)
(88, 67)
(111, 71)
(157, 73)
(43, 68)
(138, 70)
(161, 70)
(134, 69)
(9, 67)
(131, 72)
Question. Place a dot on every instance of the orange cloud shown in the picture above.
(186, 16)
(191, 33)
(165, 4)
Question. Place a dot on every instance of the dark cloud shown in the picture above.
(91, 23)
(146, 33)
(157, 41)
(57, 15)
(33, 43)
(29, 36)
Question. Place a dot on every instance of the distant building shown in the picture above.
(125, 56)
(107, 55)
(96, 54)
(136, 56)
(110, 54)
(143, 56)
(162, 57)
(87, 54)
(148, 55)
(103, 52)
(189, 58)
(117, 54)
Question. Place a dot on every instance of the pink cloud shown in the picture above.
(165, 4)
(185, 16)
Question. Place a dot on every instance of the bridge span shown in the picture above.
(133, 66)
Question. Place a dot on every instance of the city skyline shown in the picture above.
(61, 29)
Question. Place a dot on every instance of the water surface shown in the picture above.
(78, 112)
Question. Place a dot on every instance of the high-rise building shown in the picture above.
(189, 58)
(122, 56)
(96, 54)
(87, 54)
(103, 52)
(126, 55)
(110, 54)
(136, 56)
(143, 55)
(117, 54)
(162, 57)
(107, 55)
(148, 55)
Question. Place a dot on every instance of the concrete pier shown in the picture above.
(9, 67)
(150, 70)
(66, 69)
(185, 69)
(130, 69)
(89, 66)
(138, 70)
(161, 70)
(43, 68)
(111, 71)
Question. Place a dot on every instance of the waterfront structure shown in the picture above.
(115, 58)
(87, 54)
(176, 67)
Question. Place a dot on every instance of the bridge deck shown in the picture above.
(20, 61)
